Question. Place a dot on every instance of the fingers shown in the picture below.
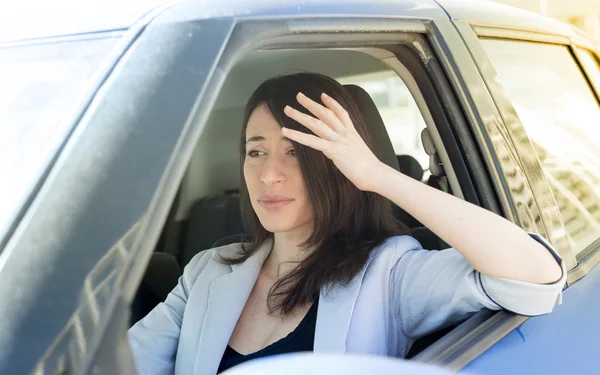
(315, 125)
(337, 109)
(331, 122)
(309, 140)
(326, 115)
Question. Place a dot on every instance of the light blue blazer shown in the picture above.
(402, 293)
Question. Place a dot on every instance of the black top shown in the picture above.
(301, 339)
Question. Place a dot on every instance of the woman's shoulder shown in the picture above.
(398, 245)
(393, 248)
(211, 259)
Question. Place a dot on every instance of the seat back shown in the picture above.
(211, 218)
(383, 148)
(438, 177)
(160, 278)
(410, 167)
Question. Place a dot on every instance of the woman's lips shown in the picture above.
(274, 203)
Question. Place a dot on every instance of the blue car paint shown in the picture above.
(421, 9)
(551, 344)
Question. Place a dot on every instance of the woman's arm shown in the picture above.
(492, 245)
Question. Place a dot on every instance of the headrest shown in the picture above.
(435, 164)
(383, 146)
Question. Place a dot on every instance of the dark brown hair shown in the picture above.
(348, 222)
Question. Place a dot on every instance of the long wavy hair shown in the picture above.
(348, 222)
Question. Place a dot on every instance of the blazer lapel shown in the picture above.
(334, 315)
(227, 297)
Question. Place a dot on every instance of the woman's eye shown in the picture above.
(254, 153)
(292, 152)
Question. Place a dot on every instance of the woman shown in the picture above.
(328, 268)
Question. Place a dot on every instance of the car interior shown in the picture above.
(206, 210)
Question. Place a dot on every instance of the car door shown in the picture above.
(76, 252)
(546, 89)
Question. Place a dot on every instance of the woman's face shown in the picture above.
(273, 177)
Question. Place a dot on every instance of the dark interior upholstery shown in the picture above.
(211, 218)
(410, 167)
(384, 150)
(162, 275)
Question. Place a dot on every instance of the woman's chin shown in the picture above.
(277, 227)
(278, 223)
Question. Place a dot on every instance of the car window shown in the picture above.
(40, 83)
(561, 116)
(398, 109)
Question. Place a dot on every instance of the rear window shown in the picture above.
(39, 84)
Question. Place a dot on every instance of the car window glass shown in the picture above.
(560, 114)
(40, 83)
(398, 109)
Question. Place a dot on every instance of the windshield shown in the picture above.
(39, 85)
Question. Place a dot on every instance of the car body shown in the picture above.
(136, 121)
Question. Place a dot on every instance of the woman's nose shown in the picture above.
(273, 171)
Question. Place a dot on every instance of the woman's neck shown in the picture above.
(287, 252)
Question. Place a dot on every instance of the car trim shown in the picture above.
(578, 51)
(337, 25)
(117, 33)
(470, 339)
(485, 31)
(587, 260)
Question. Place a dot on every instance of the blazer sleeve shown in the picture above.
(433, 289)
(155, 338)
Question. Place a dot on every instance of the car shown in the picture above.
(120, 134)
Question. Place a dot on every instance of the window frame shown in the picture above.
(577, 265)
(589, 257)
(595, 54)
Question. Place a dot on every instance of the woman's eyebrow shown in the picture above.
(256, 138)
(260, 138)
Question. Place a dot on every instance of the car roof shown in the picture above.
(489, 13)
(49, 20)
